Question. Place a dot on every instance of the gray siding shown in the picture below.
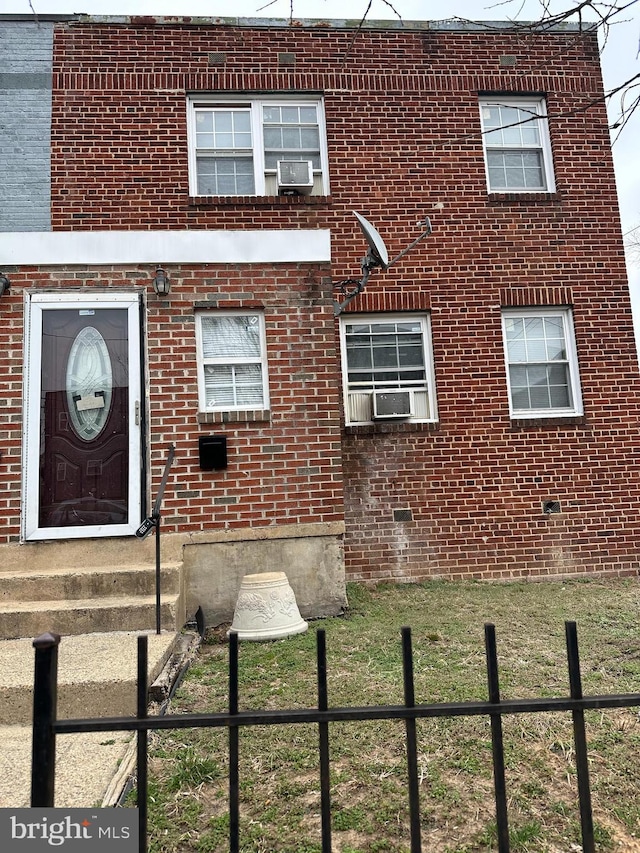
(26, 48)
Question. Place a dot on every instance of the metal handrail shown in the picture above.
(152, 522)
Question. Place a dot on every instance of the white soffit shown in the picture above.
(35, 248)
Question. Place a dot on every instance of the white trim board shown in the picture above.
(58, 248)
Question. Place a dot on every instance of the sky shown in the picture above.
(620, 56)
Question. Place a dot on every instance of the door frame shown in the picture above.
(35, 304)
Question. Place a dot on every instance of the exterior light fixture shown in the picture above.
(161, 283)
(5, 284)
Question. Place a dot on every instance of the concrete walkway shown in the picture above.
(96, 678)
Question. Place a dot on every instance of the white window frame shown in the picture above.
(222, 360)
(360, 411)
(536, 107)
(571, 360)
(255, 105)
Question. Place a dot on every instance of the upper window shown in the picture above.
(516, 143)
(387, 368)
(232, 363)
(542, 365)
(235, 146)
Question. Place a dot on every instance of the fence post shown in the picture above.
(412, 743)
(580, 740)
(323, 741)
(234, 748)
(45, 698)
(497, 741)
(142, 744)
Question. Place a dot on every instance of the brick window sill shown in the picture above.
(523, 198)
(527, 423)
(382, 428)
(254, 416)
(286, 201)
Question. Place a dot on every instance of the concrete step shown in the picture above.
(86, 765)
(62, 584)
(96, 677)
(96, 674)
(89, 615)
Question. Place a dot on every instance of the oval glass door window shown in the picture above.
(89, 383)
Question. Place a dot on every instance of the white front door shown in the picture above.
(82, 437)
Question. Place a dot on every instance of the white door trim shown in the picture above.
(35, 304)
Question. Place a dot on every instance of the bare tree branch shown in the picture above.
(599, 15)
(361, 24)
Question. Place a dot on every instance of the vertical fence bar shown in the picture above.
(45, 698)
(158, 522)
(323, 738)
(234, 783)
(580, 740)
(142, 745)
(497, 741)
(412, 747)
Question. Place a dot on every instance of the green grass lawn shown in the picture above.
(279, 776)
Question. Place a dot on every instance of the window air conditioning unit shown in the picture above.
(392, 404)
(295, 176)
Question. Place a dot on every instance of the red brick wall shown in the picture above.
(403, 138)
(283, 468)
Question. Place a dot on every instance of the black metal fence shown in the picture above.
(46, 727)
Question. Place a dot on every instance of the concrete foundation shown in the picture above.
(311, 556)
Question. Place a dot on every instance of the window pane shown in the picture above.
(271, 114)
(540, 397)
(219, 385)
(309, 137)
(517, 351)
(223, 129)
(385, 357)
(530, 133)
(359, 356)
(396, 358)
(233, 385)
(231, 337)
(224, 122)
(291, 137)
(225, 176)
(249, 385)
(273, 137)
(539, 370)
(510, 118)
(290, 115)
(560, 397)
(409, 356)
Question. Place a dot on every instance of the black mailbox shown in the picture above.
(213, 452)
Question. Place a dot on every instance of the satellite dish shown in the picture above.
(377, 256)
(377, 248)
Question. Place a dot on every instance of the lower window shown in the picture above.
(232, 363)
(387, 368)
(542, 364)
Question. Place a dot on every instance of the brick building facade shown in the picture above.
(502, 342)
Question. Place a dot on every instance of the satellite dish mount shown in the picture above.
(377, 256)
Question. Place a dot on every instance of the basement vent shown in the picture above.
(550, 507)
(217, 58)
(402, 515)
(507, 60)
